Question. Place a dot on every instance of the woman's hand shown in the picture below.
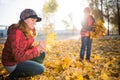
(41, 46)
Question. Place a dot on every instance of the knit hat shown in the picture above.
(29, 13)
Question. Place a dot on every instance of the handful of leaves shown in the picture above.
(99, 30)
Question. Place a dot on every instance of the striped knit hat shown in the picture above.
(29, 13)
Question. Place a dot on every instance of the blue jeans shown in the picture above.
(86, 44)
(28, 68)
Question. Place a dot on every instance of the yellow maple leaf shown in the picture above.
(66, 62)
(97, 57)
(104, 76)
(32, 78)
(80, 77)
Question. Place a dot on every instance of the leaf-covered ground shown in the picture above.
(62, 61)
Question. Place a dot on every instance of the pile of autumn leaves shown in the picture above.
(62, 61)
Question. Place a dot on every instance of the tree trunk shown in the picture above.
(118, 16)
(108, 18)
(101, 9)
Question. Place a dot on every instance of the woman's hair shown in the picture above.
(28, 33)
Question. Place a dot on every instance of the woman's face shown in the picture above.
(31, 22)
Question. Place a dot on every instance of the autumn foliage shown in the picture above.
(99, 30)
(62, 61)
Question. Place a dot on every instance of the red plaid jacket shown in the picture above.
(17, 47)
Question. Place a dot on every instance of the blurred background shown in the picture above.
(61, 16)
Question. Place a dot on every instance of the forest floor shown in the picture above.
(62, 60)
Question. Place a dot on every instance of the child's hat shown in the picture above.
(29, 13)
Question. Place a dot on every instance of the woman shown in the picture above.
(87, 26)
(20, 57)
